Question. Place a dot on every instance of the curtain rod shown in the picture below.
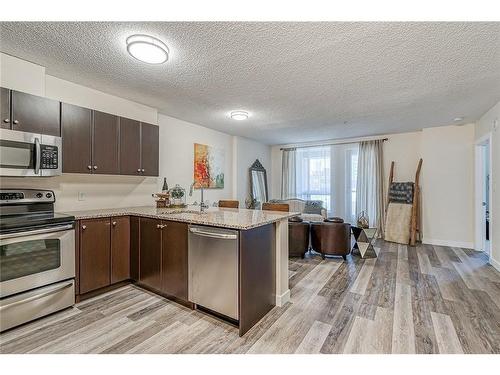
(335, 143)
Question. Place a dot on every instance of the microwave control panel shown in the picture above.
(49, 157)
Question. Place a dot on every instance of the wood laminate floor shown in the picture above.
(428, 299)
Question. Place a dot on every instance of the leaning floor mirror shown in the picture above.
(258, 181)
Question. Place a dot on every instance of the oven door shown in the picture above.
(36, 258)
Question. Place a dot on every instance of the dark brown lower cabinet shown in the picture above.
(120, 249)
(175, 259)
(95, 247)
(135, 225)
(103, 251)
(150, 253)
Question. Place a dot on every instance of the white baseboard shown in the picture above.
(495, 263)
(465, 245)
(282, 299)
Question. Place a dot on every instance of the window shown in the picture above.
(313, 174)
(329, 174)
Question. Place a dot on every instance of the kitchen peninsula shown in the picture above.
(151, 247)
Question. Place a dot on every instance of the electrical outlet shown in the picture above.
(81, 196)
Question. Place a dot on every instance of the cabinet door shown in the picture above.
(149, 149)
(5, 108)
(105, 140)
(175, 259)
(150, 253)
(130, 147)
(134, 247)
(35, 114)
(95, 254)
(120, 249)
(76, 129)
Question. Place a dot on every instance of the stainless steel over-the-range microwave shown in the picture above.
(29, 154)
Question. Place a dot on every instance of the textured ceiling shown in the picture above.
(299, 81)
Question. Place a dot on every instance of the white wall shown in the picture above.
(177, 140)
(448, 185)
(176, 146)
(490, 123)
(446, 179)
(21, 75)
(245, 153)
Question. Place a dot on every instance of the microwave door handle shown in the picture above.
(38, 155)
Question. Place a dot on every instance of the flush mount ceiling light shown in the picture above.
(458, 119)
(147, 49)
(239, 115)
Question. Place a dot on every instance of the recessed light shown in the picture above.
(147, 49)
(239, 115)
(458, 119)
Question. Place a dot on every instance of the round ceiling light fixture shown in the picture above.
(458, 119)
(147, 49)
(239, 115)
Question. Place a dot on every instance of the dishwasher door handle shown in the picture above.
(221, 236)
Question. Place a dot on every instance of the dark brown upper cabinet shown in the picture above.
(76, 132)
(105, 148)
(35, 114)
(149, 149)
(5, 108)
(139, 148)
(130, 147)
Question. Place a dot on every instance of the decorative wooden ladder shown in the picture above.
(415, 210)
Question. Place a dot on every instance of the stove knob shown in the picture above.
(48, 195)
(39, 195)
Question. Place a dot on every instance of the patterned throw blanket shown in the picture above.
(398, 216)
(401, 192)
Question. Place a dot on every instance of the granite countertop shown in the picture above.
(233, 218)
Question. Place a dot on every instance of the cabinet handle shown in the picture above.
(139, 170)
(89, 167)
(160, 226)
(16, 121)
(84, 227)
(6, 120)
(113, 222)
(95, 166)
(142, 170)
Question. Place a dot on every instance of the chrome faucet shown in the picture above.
(202, 204)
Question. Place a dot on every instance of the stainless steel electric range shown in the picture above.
(37, 256)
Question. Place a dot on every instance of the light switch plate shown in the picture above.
(81, 196)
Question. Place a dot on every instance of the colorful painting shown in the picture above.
(208, 166)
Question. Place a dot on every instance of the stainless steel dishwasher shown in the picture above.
(213, 269)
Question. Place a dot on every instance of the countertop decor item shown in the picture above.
(208, 167)
(178, 195)
(162, 199)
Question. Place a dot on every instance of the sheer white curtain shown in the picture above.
(288, 175)
(313, 174)
(369, 191)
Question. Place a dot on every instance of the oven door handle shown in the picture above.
(60, 228)
(38, 155)
(37, 296)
